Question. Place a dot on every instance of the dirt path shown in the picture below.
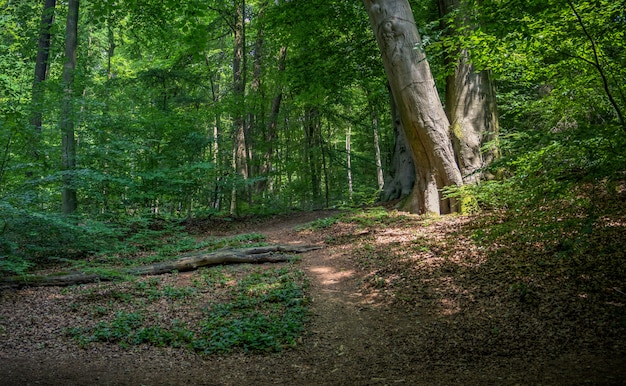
(354, 338)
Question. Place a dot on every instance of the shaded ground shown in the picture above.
(405, 302)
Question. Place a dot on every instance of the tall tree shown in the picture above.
(272, 126)
(240, 146)
(41, 70)
(470, 94)
(68, 165)
(400, 177)
(421, 112)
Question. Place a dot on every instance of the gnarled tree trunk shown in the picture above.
(401, 176)
(422, 115)
(470, 97)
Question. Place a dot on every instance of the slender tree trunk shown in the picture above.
(41, 72)
(311, 131)
(325, 168)
(271, 135)
(5, 156)
(240, 161)
(349, 161)
(68, 165)
(470, 97)
(598, 66)
(379, 164)
(111, 49)
(214, 79)
(256, 110)
(422, 115)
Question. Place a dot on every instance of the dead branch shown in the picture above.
(252, 255)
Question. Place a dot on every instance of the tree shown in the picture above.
(401, 175)
(41, 70)
(422, 115)
(240, 140)
(69, 199)
(470, 94)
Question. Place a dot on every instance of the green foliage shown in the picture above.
(321, 223)
(30, 238)
(374, 216)
(267, 312)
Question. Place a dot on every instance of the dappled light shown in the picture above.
(312, 192)
(329, 275)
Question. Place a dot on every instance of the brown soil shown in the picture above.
(407, 321)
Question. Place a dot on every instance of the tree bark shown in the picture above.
(401, 176)
(470, 97)
(421, 112)
(41, 71)
(379, 164)
(272, 127)
(253, 255)
(240, 149)
(68, 165)
(349, 161)
(313, 145)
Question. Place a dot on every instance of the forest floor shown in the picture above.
(404, 301)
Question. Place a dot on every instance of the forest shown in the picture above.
(481, 139)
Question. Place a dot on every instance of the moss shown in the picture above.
(457, 130)
(469, 204)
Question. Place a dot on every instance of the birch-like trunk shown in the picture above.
(379, 164)
(349, 161)
(421, 112)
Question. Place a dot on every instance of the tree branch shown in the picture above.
(598, 66)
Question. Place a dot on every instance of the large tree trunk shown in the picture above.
(68, 165)
(253, 255)
(401, 176)
(470, 98)
(424, 120)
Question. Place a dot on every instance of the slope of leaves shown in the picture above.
(543, 284)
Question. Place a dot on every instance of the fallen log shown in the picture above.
(190, 262)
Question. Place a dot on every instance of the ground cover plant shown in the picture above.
(218, 310)
(504, 297)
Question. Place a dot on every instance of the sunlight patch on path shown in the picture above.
(328, 275)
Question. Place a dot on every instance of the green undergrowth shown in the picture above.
(248, 309)
(111, 266)
(363, 217)
(173, 246)
(32, 241)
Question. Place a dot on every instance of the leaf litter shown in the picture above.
(394, 299)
